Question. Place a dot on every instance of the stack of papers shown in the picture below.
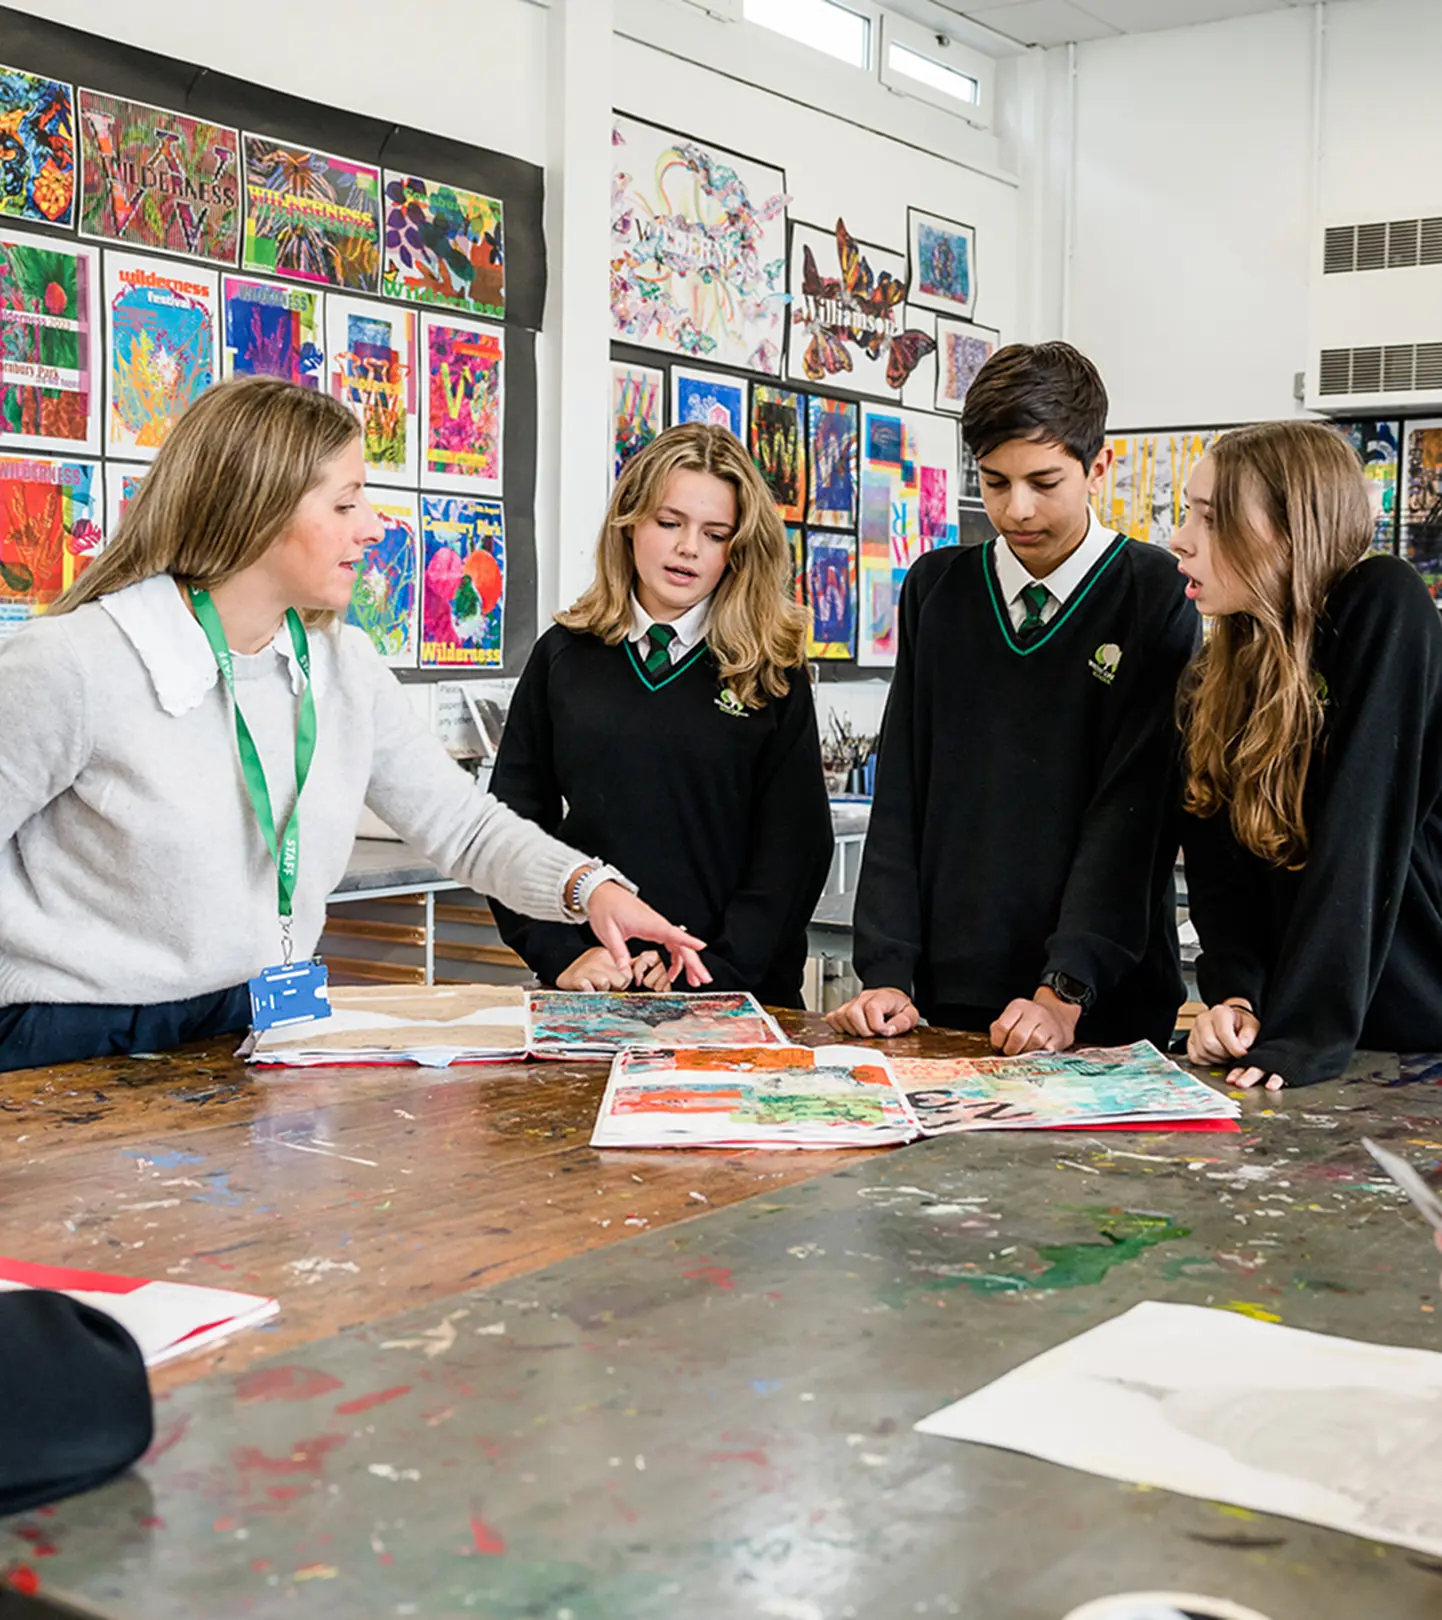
(434, 1025)
(165, 1319)
(1091, 1087)
(764, 1097)
(578, 1025)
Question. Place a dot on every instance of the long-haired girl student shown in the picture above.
(1313, 722)
(189, 736)
(666, 721)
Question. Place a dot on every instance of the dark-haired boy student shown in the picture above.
(1017, 876)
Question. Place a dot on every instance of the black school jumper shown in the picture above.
(721, 817)
(1346, 951)
(1023, 820)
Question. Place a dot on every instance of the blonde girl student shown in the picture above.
(1313, 730)
(189, 735)
(666, 721)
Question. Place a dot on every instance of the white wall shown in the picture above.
(1191, 203)
(347, 54)
(1204, 165)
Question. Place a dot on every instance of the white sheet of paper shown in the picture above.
(1212, 1404)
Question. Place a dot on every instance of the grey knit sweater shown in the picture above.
(132, 868)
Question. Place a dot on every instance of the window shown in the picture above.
(827, 25)
(917, 62)
(960, 86)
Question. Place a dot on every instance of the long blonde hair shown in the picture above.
(223, 487)
(1290, 516)
(755, 630)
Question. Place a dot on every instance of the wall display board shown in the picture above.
(164, 226)
(1421, 532)
(698, 249)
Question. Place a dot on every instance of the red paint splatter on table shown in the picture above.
(760, 1458)
(363, 1403)
(718, 1276)
(484, 1539)
(23, 1579)
(284, 1384)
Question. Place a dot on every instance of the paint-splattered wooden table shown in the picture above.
(713, 1418)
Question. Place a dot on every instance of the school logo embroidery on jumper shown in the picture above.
(729, 703)
(1105, 661)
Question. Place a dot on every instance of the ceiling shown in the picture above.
(1058, 22)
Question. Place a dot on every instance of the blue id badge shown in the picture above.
(295, 993)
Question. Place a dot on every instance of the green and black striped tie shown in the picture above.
(658, 649)
(1035, 596)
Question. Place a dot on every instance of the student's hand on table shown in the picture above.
(875, 1012)
(1252, 1077)
(1227, 1030)
(649, 971)
(616, 915)
(1042, 1024)
(595, 969)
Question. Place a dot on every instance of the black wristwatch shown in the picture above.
(1072, 991)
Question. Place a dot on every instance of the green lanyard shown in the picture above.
(286, 851)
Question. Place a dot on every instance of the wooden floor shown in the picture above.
(351, 1194)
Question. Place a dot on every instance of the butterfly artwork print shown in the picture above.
(852, 321)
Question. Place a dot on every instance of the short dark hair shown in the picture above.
(1045, 391)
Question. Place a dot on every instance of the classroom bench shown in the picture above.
(515, 1376)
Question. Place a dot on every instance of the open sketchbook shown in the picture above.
(762, 1097)
(1133, 1085)
(165, 1319)
(433, 1025)
(1216, 1405)
(577, 1025)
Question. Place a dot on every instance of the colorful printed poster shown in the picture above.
(37, 149)
(1377, 444)
(49, 345)
(778, 445)
(698, 249)
(311, 216)
(909, 495)
(49, 531)
(796, 543)
(831, 593)
(164, 332)
(582, 1024)
(121, 483)
(638, 406)
(961, 351)
(271, 330)
(463, 590)
(372, 349)
(1144, 493)
(708, 397)
(443, 245)
(765, 1097)
(943, 264)
(1421, 542)
(151, 178)
(848, 313)
(833, 445)
(386, 600)
(463, 406)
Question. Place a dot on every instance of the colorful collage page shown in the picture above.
(579, 1025)
(1041, 1090)
(764, 1097)
(210, 252)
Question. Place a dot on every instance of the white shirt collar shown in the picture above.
(1012, 575)
(690, 628)
(172, 646)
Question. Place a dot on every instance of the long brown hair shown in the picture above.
(223, 487)
(1290, 516)
(755, 630)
